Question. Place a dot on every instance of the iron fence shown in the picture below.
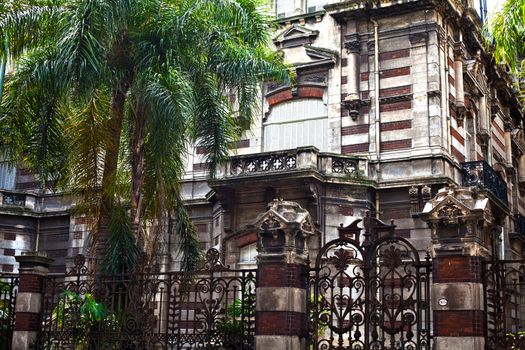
(213, 308)
(504, 289)
(8, 292)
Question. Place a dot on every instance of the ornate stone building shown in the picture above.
(393, 101)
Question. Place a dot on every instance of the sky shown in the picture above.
(493, 4)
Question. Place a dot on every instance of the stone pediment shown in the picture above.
(283, 215)
(294, 36)
(455, 206)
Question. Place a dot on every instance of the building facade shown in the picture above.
(393, 100)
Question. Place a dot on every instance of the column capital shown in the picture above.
(459, 217)
(284, 230)
(353, 43)
(35, 263)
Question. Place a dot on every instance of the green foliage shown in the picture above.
(515, 340)
(93, 78)
(321, 314)
(82, 313)
(231, 326)
(506, 30)
(121, 249)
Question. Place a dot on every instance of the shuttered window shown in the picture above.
(297, 123)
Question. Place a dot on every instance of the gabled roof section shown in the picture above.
(294, 36)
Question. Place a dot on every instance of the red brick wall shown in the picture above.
(457, 269)
(302, 92)
(281, 275)
(458, 323)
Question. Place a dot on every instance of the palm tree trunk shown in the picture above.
(3, 65)
(118, 100)
(137, 171)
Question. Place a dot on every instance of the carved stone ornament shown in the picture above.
(353, 46)
(450, 214)
(354, 107)
(461, 113)
(284, 230)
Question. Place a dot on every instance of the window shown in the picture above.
(315, 5)
(248, 254)
(297, 123)
(284, 8)
(7, 172)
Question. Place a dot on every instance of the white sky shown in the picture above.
(494, 4)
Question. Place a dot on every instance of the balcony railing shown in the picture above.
(301, 159)
(12, 199)
(481, 175)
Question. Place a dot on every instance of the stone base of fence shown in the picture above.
(34, 267)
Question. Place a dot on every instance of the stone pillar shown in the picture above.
(282, 283)
(521, 169)
(353, 73)
(33, 270)
(459, 54)
(483, 116)
(460, 220)
(508, 145)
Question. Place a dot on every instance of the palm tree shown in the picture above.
(111, 94)
(506, 33)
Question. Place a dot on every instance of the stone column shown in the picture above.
(521, 169)
(459, 54)
(28, 310)
(282, 283)
(508, 144)
(353, 73)
(483, 115)
(460, 220)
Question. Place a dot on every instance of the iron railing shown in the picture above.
(504, 288)
(213, 308)
(8, 292)
(481, 175)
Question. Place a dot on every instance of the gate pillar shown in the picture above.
(461, 221)
(281, 313)
(28, 309)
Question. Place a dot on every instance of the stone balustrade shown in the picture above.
(295, 160)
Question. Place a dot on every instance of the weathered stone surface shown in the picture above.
(281, 299)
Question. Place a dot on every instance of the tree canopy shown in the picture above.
(109, 96)
(506, 31)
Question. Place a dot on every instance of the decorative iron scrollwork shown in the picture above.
(370, 296)
(213, 307)
(480, 174)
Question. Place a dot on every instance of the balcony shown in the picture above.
(480, 174)
(304, 159)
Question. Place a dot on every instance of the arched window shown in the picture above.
(297, 123)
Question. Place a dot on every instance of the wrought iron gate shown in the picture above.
(504, 288)
(370, 291)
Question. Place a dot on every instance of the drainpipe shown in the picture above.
(37, 235)
(376, 82)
